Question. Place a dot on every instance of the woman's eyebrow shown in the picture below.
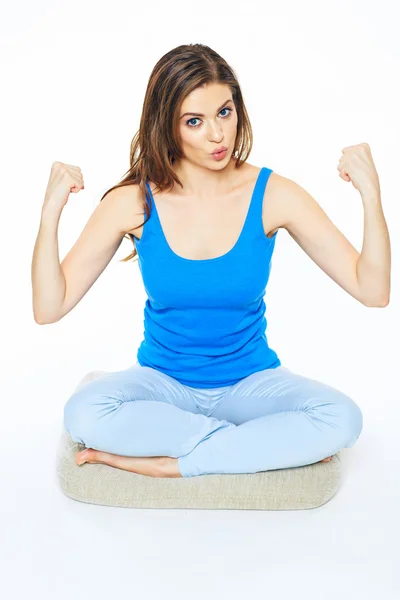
(201, 115)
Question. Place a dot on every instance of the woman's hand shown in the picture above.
(63, 180)
(356, 165)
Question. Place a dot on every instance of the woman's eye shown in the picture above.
(196, 118)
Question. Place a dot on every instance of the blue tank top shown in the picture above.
(204, 320)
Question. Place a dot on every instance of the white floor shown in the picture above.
(53, 547)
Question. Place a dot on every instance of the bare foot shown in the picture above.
(153, 466)
(87, 455)
(326, 459)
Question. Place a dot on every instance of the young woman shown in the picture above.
(207, 393)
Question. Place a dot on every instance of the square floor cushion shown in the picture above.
(294, 488)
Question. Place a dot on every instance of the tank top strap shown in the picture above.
(148, 193)
(254, 221)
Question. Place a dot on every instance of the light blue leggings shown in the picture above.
(272, 419)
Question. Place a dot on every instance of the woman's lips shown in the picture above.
(219, 155)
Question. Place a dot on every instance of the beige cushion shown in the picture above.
(303, 487)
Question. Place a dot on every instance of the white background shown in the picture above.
(316, 77)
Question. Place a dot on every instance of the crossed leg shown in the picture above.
(284, 416)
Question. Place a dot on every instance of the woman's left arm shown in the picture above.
(364, 276)
(374, 263)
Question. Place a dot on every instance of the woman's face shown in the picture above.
(216, 127)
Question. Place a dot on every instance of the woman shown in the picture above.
(207, 393)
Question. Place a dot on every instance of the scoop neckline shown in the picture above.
(215, 258)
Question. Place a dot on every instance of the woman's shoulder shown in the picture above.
(130, 205)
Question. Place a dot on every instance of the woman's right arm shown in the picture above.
(48, 281)
(57, 288)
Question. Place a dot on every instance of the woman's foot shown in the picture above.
(87, 455)
(153, 466)
(326, 459)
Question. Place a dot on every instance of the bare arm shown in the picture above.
(48, 281)
(57, 288)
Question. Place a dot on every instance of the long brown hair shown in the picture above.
(155, 146)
